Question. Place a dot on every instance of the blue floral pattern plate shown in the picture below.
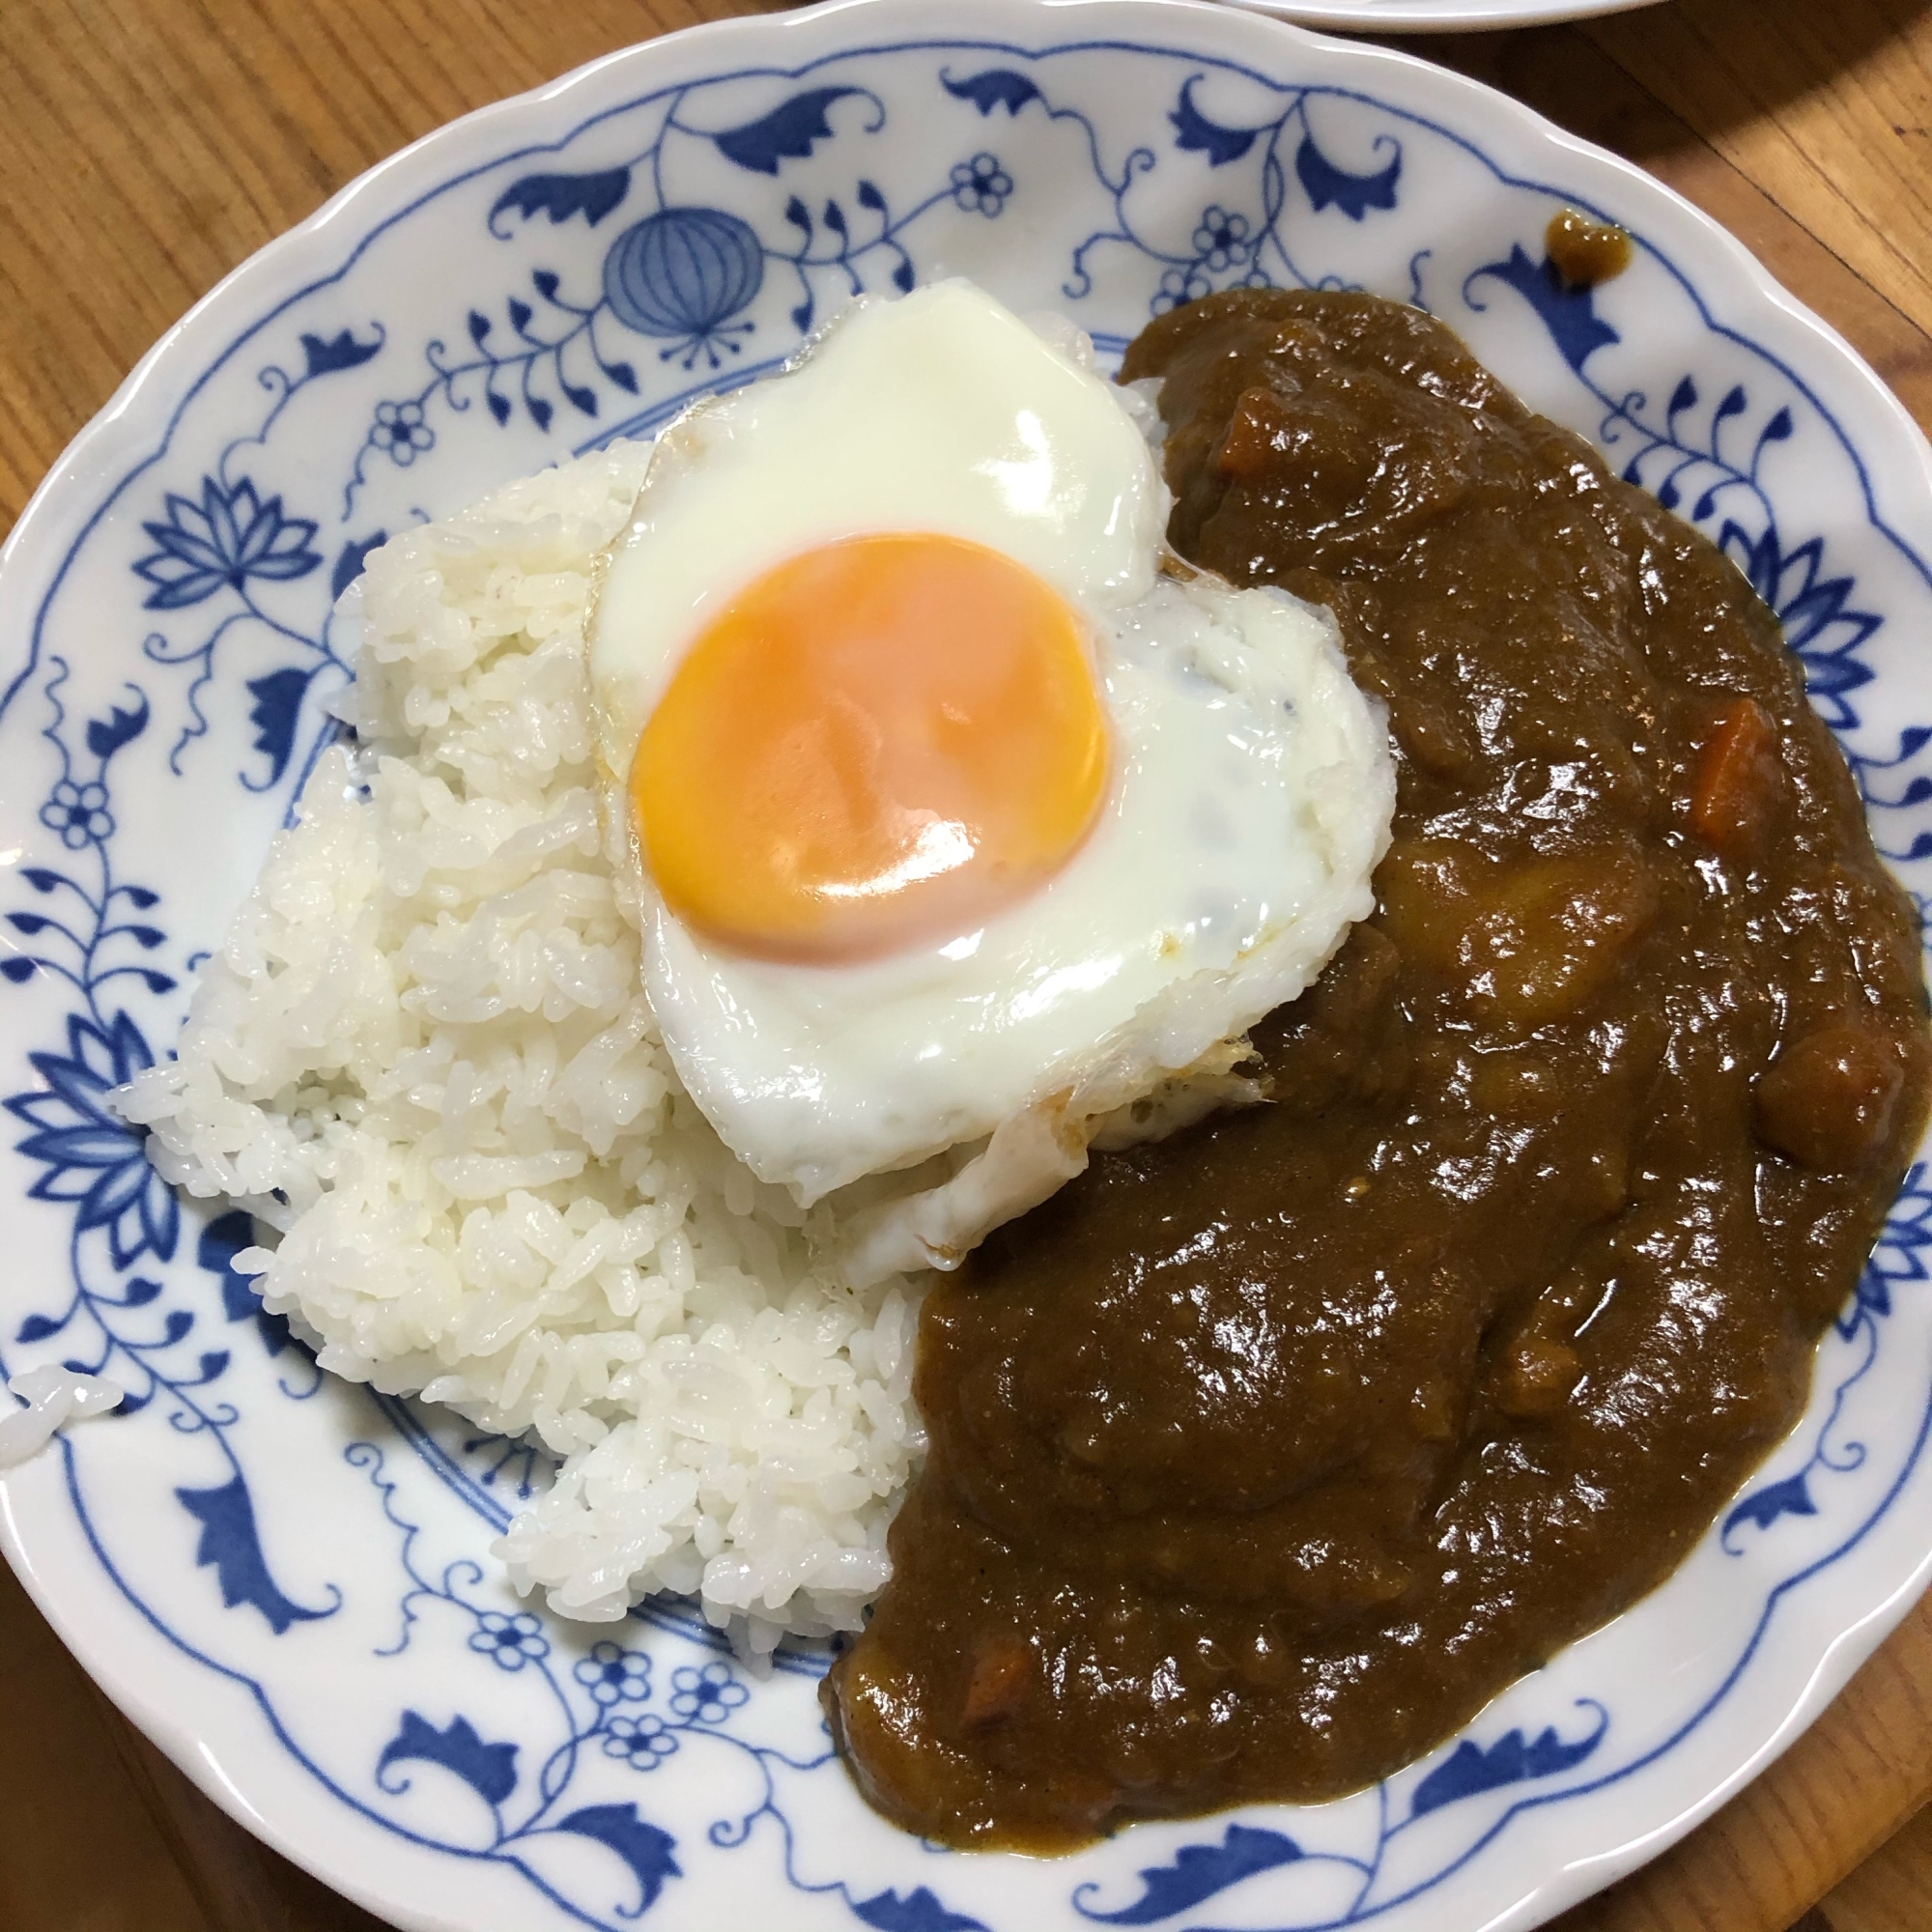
(285, 1580)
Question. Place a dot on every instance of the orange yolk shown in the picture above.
(881, 742)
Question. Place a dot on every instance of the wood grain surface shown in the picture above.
(148, 146)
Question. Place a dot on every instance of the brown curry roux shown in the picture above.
(1262, 1458)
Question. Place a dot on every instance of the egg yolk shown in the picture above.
(881, 742)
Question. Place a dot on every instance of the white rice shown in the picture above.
(423, 1055)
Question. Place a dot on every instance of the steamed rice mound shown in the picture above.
(423, 1055)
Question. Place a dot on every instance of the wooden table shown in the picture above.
(147, 146)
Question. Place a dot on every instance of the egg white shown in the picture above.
(1249, 799)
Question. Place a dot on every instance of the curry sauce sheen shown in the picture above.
(1264, 1456)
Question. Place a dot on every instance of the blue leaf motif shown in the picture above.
(1834, 676)
(41, 879)
(997, 86)
(916, 1911)
(348, 565)
(275, 712)
(1201, 135)
(1352, 193)
(646, 1850)
(489, 1770)
(785, 133)
(231, 1542)
(1567, 313)
(1814, 610)
(106, 735)
(561, 197)
(1763, 1507)
(79, 1146)
(341, 350)
(222, 1240)
(18, 969)
(1471, 1768)
(37, 1328)
(1198, 1872)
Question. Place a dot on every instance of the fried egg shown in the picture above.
(971, 827)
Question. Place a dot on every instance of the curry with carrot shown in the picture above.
(1262, 1458)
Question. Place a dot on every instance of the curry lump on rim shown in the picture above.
(1264, 1456)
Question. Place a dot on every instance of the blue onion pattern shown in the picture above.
(683, 273)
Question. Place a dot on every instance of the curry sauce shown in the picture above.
(1262, 1458)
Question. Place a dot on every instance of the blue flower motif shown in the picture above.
(79, 813)
(705, 1696)
(643, 1742)
(1818, 625)
(980, 186)
(1222, 239)
(611, 1673)
(1900, 1252)
(1177, 288)
(90, 1156)
(509, 1642)
(229, 537)
(400, 429)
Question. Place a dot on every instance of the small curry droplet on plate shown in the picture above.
(1586, 253)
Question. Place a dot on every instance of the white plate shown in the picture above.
(1436, 16)
(286, 1582)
